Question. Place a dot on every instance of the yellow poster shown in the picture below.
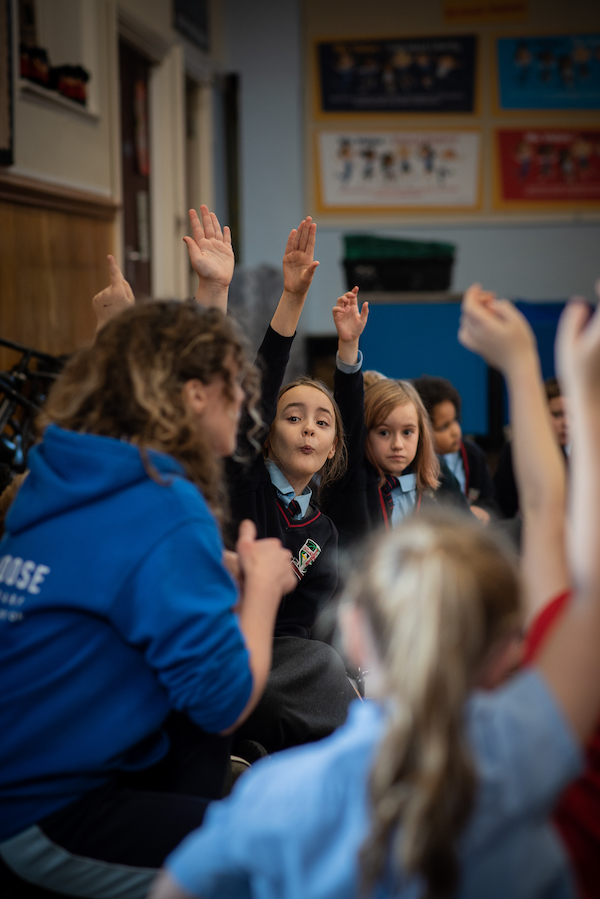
(473, 11)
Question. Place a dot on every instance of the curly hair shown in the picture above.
(438, 593)
(128, 385)
(380, 399)
(335, 467)
(437, 390)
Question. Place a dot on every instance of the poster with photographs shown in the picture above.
(549, 165)
(435, 74)
(551, 72)
(398, 170)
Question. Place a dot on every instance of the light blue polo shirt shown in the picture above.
(455, 463)
(293, 826)
(404, 497)
(285, 491)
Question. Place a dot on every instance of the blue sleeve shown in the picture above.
(238, 840)
(177, 608)
(525, 754)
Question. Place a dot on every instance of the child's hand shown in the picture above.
(298, 264)
(495, 329)
(210, 250)
(578, 349)
(114, 298)
(349, 321)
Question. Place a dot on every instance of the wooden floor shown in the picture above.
(51, 265)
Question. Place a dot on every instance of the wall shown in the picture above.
(58, 145)
(534, 259)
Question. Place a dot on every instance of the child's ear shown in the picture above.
(331, 452)
(194, 396)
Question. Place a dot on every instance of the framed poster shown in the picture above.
(545, 168)
(430, 74)
(410, 171)
(549, 72)
(6, 85)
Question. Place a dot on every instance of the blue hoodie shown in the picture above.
(114, 609)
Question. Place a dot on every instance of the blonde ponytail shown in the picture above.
(438, 593)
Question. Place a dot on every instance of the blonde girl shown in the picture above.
(392, 466)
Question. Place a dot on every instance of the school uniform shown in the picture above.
(358, 504)
(308, 692)
(293, 829)
(469, 466)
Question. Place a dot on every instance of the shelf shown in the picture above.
(35, 92)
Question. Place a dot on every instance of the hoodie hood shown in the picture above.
(68, 470)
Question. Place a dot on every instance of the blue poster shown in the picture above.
(551, 72)
(433, 74)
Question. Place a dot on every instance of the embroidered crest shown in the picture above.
(307, 555)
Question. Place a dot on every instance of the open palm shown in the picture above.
(210, 250)
(298, 261)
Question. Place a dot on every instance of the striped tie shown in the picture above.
(294, 508)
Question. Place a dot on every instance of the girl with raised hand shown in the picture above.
(308, 691)
(437, 789)
(496, 330)
(392, 466)
(126, 650)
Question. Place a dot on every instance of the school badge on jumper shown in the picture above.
(307, 555)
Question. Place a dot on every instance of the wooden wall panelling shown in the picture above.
(51, 265)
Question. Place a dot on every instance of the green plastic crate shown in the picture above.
(365, 246)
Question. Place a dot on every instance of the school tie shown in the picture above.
(294, 508)
(390, 484)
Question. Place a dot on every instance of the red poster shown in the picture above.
(549, 165)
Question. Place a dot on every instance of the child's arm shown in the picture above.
(211, 256)
(299, 268)
(114, 298)
(274, 352)
(497, 331)
(349, 323)
(346, 503)
(569, 660)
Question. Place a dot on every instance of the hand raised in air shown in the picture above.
(299, 266)
(114, 298)
(210, 250)
(349, 320)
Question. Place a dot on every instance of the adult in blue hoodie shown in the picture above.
(122, 656)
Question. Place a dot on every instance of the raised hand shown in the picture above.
(114, 298)
(349, 320)
(298, 260)
(494, 329)
(578, 349)
(211, 256)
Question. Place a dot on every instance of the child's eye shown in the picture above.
(383, 432)
(323, 423)
(293, 418)
(408, 432)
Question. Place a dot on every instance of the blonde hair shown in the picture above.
(371, 377)
(381, 398)
(128, 385)
(438, 593)
(335, 467)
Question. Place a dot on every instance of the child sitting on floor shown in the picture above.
(392, 466)
(464, 458)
